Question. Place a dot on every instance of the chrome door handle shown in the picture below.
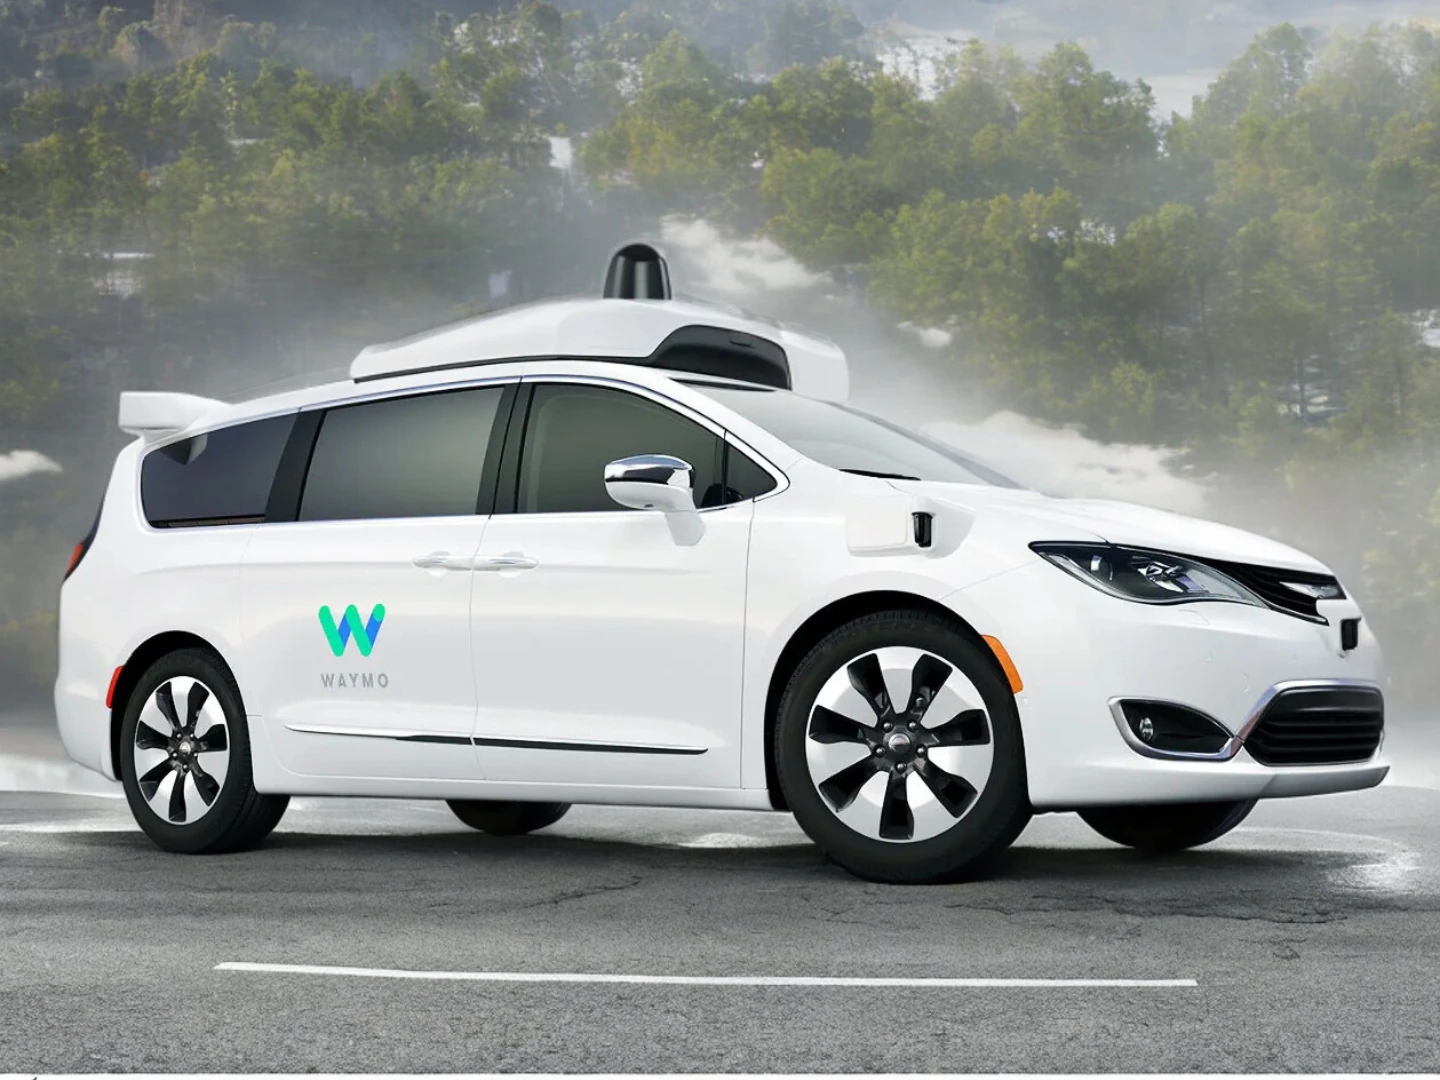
(443, 560)
(505, 562)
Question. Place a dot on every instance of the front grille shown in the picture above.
(1271, 586)
(1318, 725)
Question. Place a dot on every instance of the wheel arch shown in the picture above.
(145, 654)
(822, 622)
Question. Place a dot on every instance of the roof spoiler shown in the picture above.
(155, 415)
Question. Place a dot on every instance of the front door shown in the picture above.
(357, 614)
(607, 651)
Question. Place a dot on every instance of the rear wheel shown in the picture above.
(1156, 830)
(501, 818)
(185, 759)
(898, 748)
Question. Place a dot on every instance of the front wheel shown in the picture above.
(500, 818)
(1157, 830)
(898, 748)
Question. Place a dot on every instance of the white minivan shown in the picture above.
(638, 550)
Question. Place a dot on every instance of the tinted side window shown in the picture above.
(575, 431)
(743, 478)
(221, 477)
(401, 457)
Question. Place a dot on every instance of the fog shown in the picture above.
(1178, 48)
(18, 463)
(913, 373)
(898, 372)
(895, 374)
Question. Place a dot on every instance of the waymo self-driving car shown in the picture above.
(638, 550)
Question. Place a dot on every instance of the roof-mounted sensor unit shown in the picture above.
(637, 321)
(637, 272)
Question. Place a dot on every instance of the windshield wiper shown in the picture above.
(879, 475)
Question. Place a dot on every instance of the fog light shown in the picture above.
(1169, 729)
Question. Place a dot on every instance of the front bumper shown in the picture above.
(1077, 650)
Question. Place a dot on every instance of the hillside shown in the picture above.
(213, 194)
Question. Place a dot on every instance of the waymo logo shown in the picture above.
(364, 633)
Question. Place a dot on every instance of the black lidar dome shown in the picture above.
(637, 272)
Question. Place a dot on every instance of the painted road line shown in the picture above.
(79, 825)
(28, 773)
(700, 980)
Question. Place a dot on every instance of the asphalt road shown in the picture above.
(1312, 934)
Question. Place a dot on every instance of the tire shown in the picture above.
(1157, 830)
(831, 713)
(500, 818)
(202, 747)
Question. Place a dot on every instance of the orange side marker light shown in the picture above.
(1012, 675)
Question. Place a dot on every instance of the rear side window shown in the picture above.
(575, 431)
(401, 457)
(221, 477)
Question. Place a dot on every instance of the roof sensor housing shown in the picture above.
(637, 272)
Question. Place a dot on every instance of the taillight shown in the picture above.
(84, 545)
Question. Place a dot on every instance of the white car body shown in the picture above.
(633, 657)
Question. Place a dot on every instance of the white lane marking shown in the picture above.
(735, 840)
(1350, 841)
(84, 825)
(688, 980)
(25, 772)
(1392, 866)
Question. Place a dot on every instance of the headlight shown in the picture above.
(1150, 577)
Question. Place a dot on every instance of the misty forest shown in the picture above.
(205, 195)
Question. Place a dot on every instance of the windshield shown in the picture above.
(847, 439)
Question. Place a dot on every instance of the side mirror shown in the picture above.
(652, 482)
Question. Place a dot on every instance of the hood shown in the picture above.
(1120, 523)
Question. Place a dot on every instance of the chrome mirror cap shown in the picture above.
(652, 482)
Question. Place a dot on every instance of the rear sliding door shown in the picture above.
(356, 613)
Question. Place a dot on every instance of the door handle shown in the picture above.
(505, 562)
(443, 560)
